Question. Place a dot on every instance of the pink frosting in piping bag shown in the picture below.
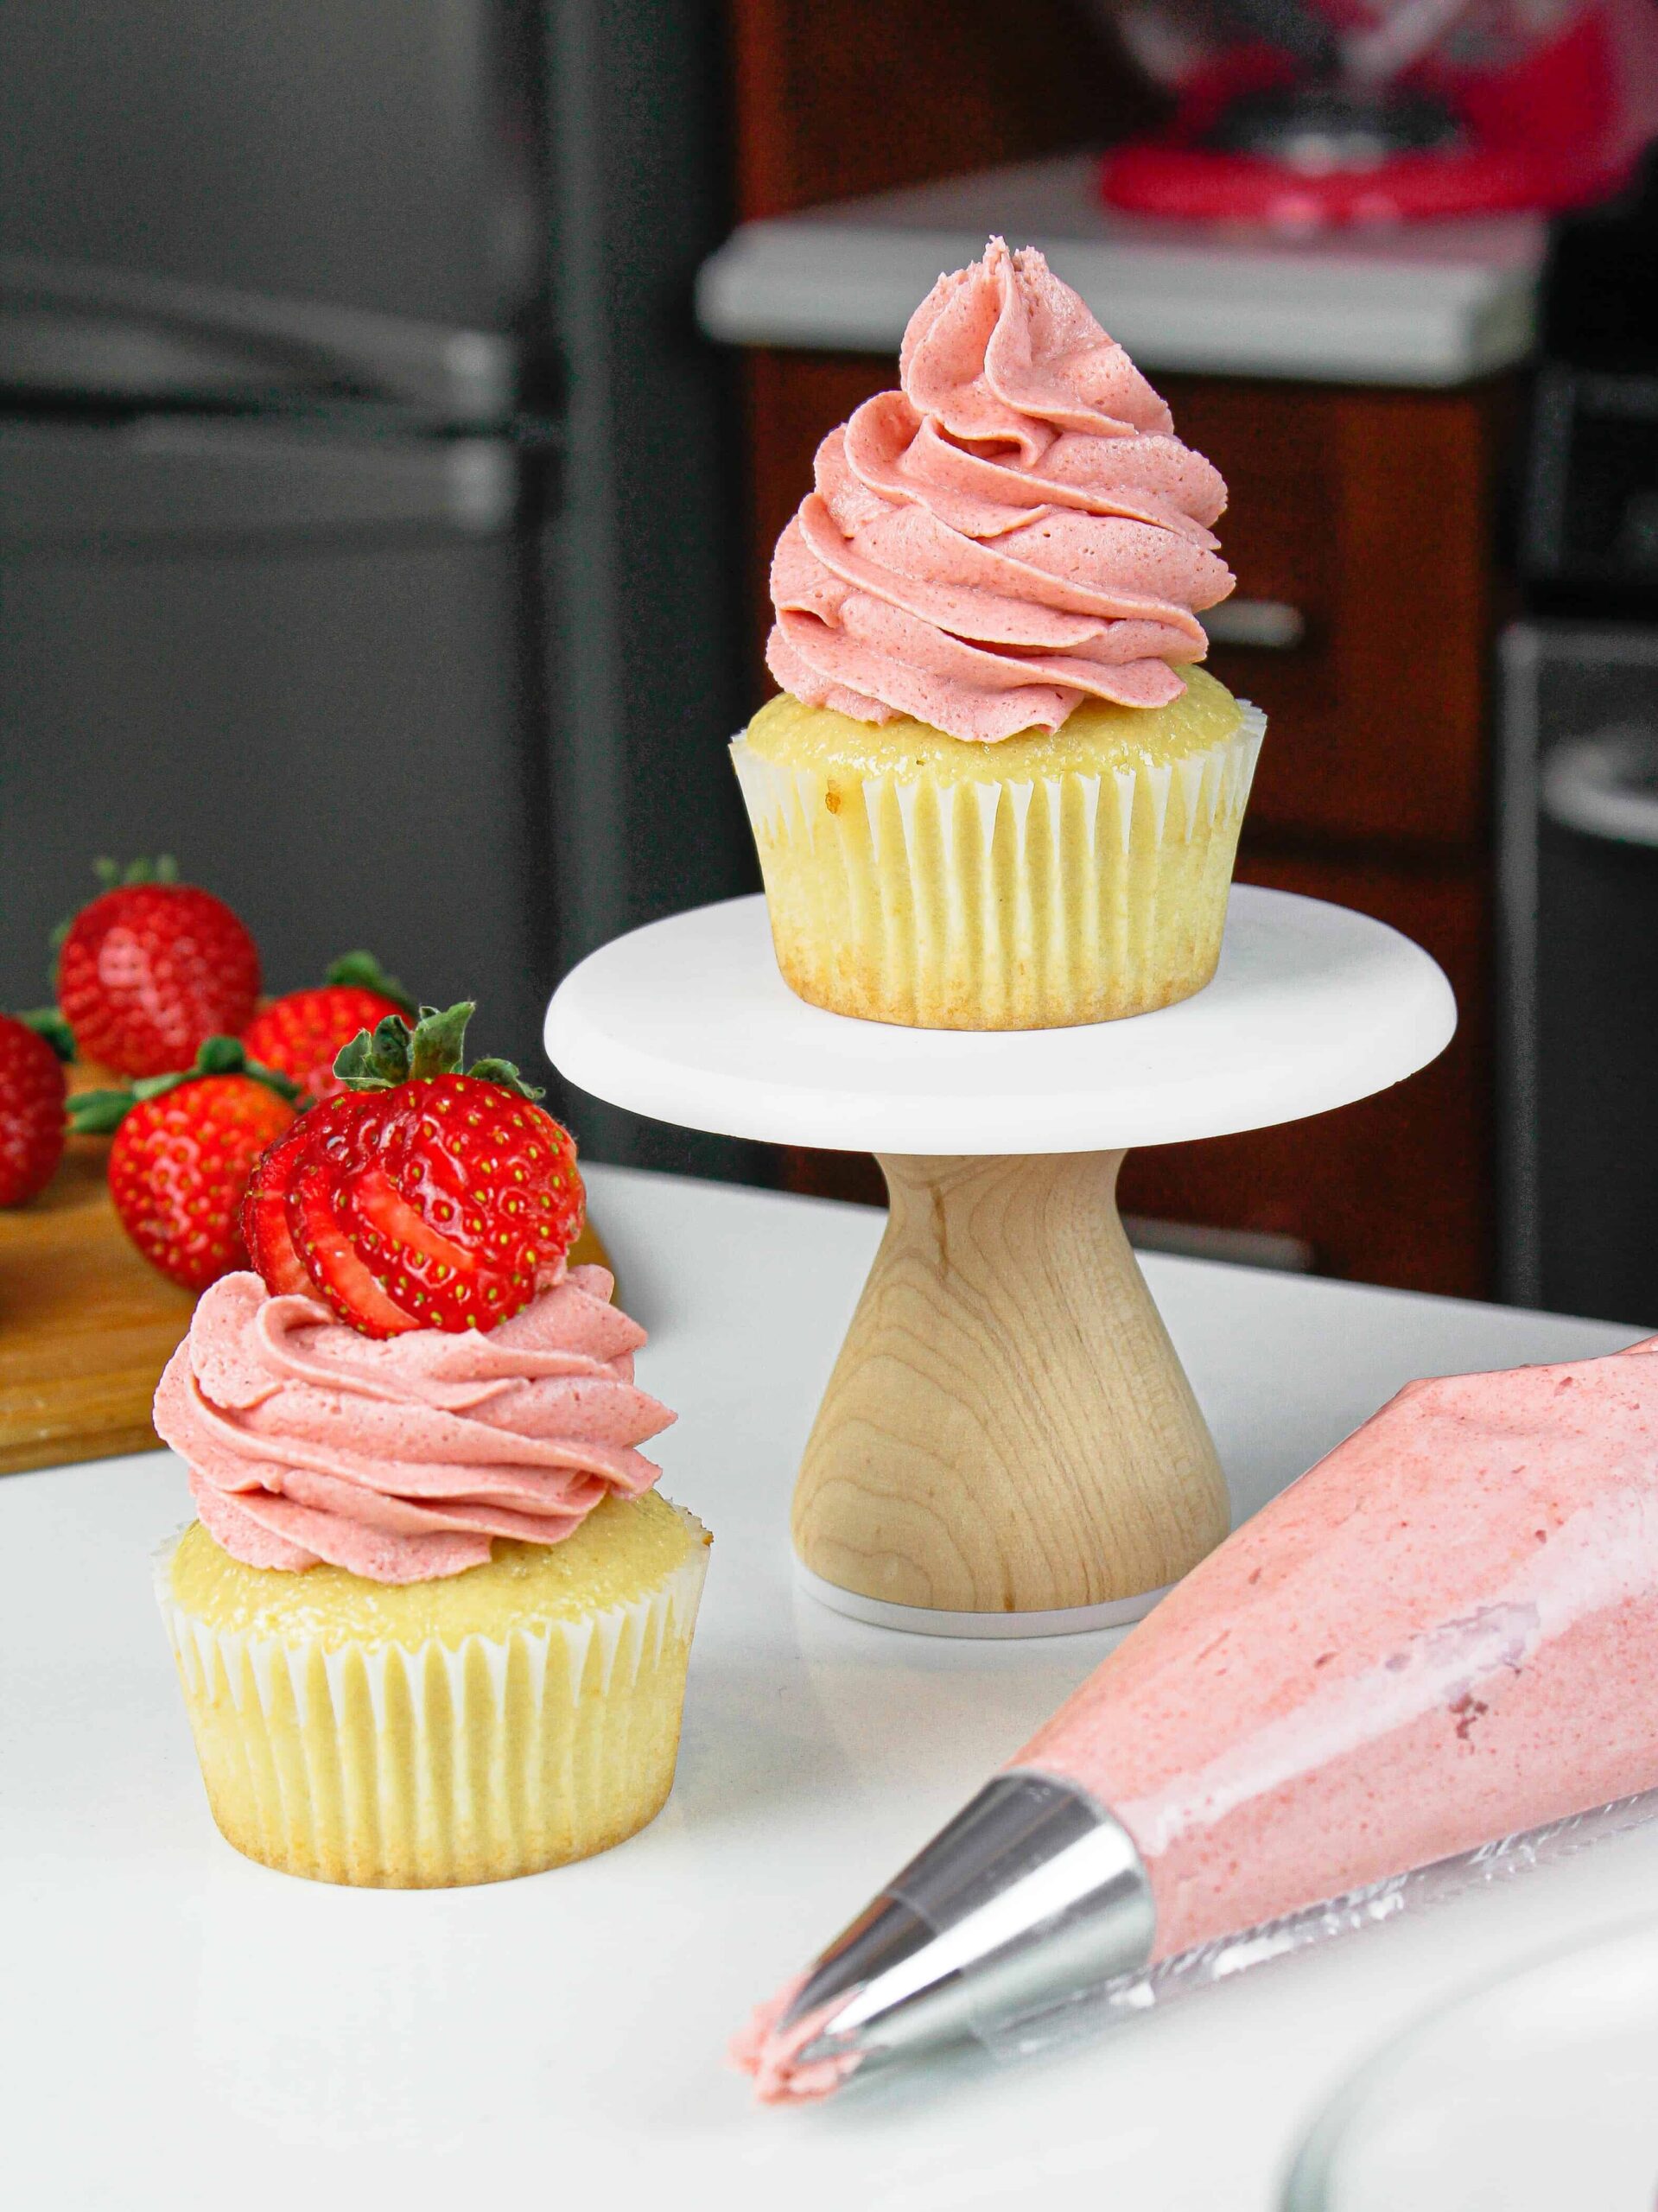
(1443, 1634)
(1016, 529)
(400, 1459)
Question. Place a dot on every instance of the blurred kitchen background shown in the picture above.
(399, 400)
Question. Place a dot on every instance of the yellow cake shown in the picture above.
(468, 1728)
(1053, 878)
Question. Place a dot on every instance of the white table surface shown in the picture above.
(181, 2028)
(1417, 303)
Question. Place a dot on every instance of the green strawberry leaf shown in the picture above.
(504, 1072)
(439, 1044)
(46, 1021)
(365, 973)
(436, 1046)
(95, 1113)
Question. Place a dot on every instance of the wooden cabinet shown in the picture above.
(833, 98)
(1370, 513)
(1397, 1189)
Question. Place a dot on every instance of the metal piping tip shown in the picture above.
(1032, 1894)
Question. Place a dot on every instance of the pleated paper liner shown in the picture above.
(1001, 905)
(393, 1767)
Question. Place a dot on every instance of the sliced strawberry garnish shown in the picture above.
(265, 1226)
(331, 1260)
(264, 1218)
(426, 1272)
(423, 1198)
(490, 1169)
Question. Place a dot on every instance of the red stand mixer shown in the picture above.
(1309, 114)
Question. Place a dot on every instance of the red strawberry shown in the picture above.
(303, 1033)
(264, 1211)
(32, 1126)
(424, 1198)
(185, 1145)
(152, 968)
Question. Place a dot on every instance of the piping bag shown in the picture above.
(1430, 1662)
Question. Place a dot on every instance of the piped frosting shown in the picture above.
(402, 1459)
(1014, 531)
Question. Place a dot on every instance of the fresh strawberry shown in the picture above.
(152, 968)
(423, 1198)
(32, 1126)
(304, 1032)
(185, 1145)
(264, 1211)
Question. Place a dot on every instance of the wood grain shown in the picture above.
(1007, 1428)
(831, 97)
(1399, 1188)
(86, 1326)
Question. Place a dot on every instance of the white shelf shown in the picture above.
(689, 1020)
(1432, 303)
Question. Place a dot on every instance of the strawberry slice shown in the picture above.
(264, 1211)
(350, 1285)
(265, 1219)
(425, 1272)
(425, 1197)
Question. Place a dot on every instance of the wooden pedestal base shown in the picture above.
(1008, 1431)
(1007, 1428)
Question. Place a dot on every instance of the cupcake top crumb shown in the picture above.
(1095, 740)
(625, 1549)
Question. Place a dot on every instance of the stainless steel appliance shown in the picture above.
(361, 518)
(1578, 789)
(1578, 872)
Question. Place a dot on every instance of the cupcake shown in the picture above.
(996, 793)
(433, 1623)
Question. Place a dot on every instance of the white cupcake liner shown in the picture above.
(989, 903)
(429, 1765)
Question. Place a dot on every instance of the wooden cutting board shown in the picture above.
(85, 1326)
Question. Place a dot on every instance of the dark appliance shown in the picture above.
(1578, 788)
(361, 538)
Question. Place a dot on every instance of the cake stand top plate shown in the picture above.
(689, 1020)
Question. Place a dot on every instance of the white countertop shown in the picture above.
(1428, 303)
(180, 2027)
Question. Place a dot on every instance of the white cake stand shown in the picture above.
(1007, 1444)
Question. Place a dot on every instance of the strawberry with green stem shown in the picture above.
(424, 1197)
(303, 1032)
(185, 1144)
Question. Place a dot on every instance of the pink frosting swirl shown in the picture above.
(400, 1459)
(1016, 529)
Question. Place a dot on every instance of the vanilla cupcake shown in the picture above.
(433, 1622)
(994, 794)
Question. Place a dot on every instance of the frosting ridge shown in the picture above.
(1015, 529)
(401, 1459)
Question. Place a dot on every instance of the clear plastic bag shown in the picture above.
(1090, 2011)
